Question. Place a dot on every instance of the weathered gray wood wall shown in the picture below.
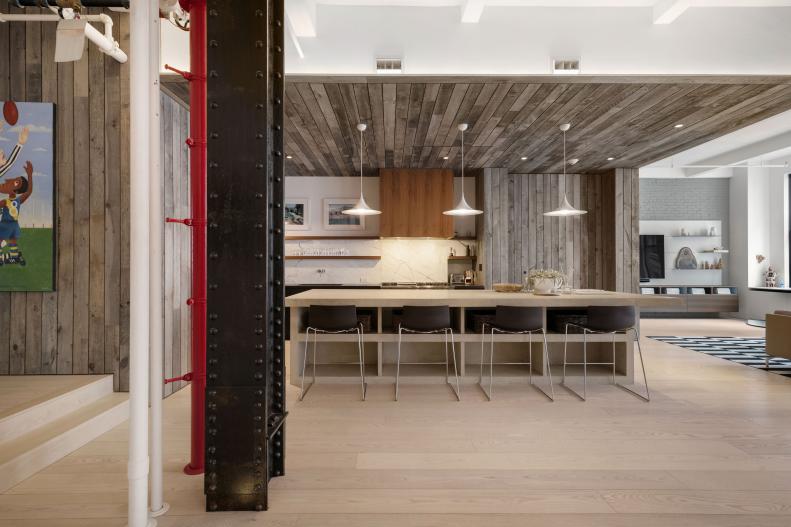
(176, 239)
(515, 236)
(83, 327)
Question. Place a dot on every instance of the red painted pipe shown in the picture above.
(197, 145)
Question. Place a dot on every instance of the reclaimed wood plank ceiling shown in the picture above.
(412, 121)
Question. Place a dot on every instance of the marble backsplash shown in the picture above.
(403, 260)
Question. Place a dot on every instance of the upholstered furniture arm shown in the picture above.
(778, 335)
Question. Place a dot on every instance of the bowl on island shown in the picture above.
(507, 288)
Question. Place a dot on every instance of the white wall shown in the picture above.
(759, 223)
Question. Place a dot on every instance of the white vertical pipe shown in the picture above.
(139, 97)
(155, 225)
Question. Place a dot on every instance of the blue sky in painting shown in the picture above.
(39, 150)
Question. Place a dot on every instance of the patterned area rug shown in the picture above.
(750, 352)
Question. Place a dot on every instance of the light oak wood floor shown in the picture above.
(713, 448)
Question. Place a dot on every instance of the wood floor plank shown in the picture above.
(709, 450)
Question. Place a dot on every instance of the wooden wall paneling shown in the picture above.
(5, 91)
(122, 379)
(112, 214)
(81, 214)
(17, 86)
(618, 184)
(49, 301)
(97, 210)
(65, 216)
(169, 293)
(32, 79)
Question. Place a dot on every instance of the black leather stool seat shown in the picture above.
(518, 318)
(426, 318)
(332, 318)
(611, 318)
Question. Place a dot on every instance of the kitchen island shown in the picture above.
(379, 309)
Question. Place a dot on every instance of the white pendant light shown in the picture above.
(462, 208)
(361, 208)
(566, 209)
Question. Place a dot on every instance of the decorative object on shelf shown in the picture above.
(452, 252)
(770, 277)
(336, 220)
(760, 258)
(565, 209)
(361, 208)
(296, 214)
(544, 281)
(684, 232)
(507, 288)
(686, 259)
(713, 231)
(462, 208)
(27, 197)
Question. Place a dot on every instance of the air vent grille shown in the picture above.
(565, 66)
(389, 66)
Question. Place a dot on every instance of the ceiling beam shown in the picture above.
(302, 14)
(471, 11)
(667, 11)
(777, 145)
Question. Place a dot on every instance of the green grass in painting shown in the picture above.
(36, 247)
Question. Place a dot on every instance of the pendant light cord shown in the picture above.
(361, 163)
(462, 164)
(564, 155)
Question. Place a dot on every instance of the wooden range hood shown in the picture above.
(412, 201)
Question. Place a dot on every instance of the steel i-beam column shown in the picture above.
(245, 394)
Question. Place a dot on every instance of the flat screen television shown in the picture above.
(652, 256)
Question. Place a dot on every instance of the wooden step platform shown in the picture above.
(45, 418)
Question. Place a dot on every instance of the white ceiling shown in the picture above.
(522, 36)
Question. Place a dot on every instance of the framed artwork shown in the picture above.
(297, 214)
(335, 220)
(27, 196)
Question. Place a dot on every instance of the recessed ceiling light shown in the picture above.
(524, 158)
(289, 157)
(445, 158)
(610, 159)
(679, 125)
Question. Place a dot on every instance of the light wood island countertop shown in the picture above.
(473, 298)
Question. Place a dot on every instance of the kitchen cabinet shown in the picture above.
(412, 201)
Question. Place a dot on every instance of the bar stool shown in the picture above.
(428, 320)
(516, 320)
(332, 320)
(605, 320)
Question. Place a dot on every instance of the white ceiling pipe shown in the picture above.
(105, 41)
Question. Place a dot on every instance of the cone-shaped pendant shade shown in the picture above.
(361, 208)
(462, 208)
(566, 209)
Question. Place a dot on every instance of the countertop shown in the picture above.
(472, 298)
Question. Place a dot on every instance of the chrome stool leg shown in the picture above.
(584, 363)
(551, 395)
(647, 396)
(530, 357)
(361, 350)
(457, 391)
(398, 362)
(491, 362)
(303, 390)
